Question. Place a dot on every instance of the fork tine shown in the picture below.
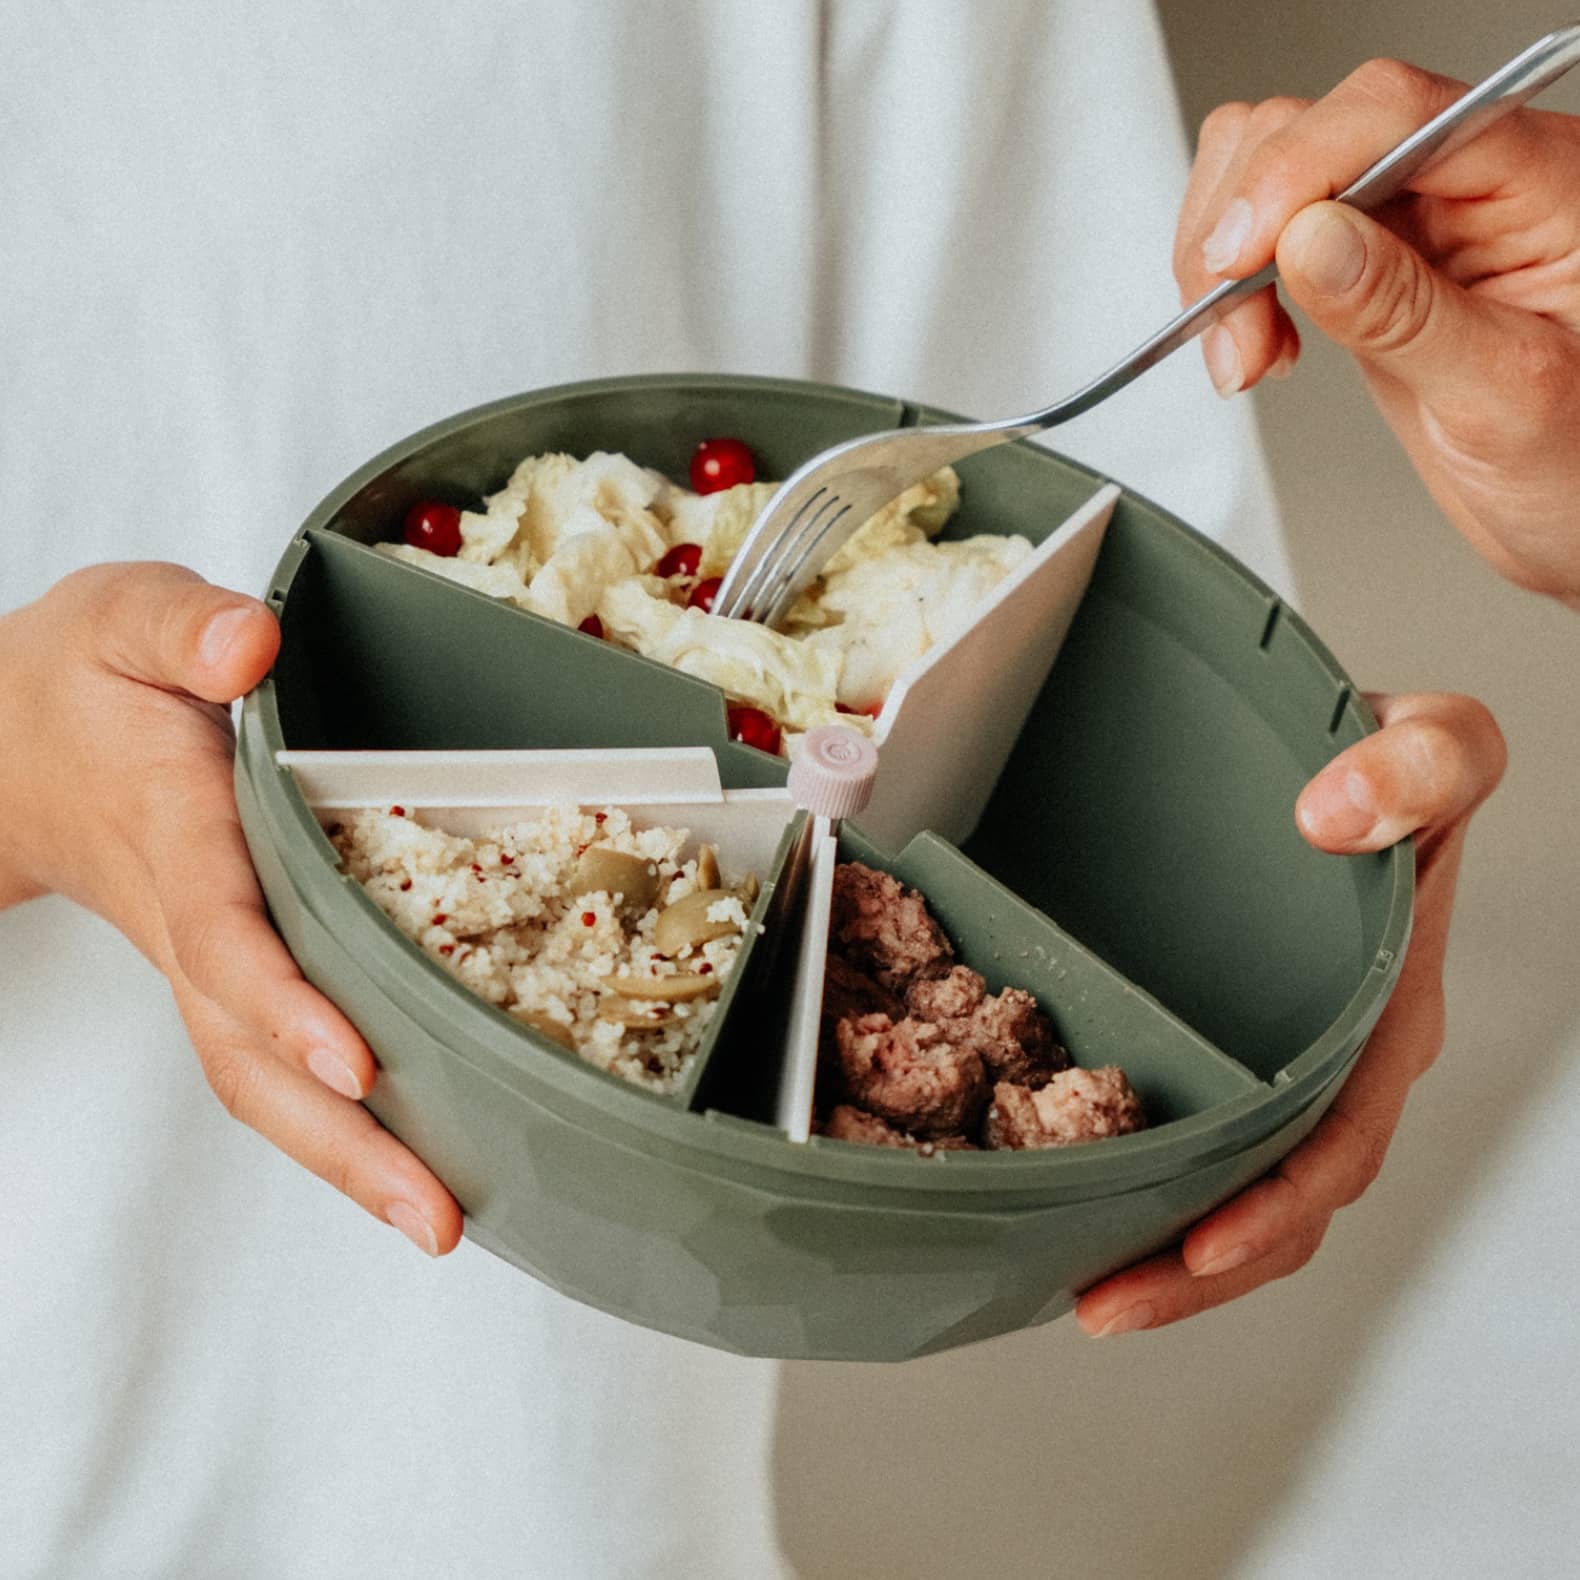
(764, 573)
(757, 588)
(789, 548)
(783, 590)
(743, 576)
(819, 506)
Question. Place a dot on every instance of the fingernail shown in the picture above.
(1339, 807)
(1223, 360)
(1329, 249)
(334, 1073)
(1139, 1315)
(1235, 1257)
(219, 633)
(1227, 237)
(413, 1225)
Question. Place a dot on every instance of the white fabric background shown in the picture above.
(245, 248)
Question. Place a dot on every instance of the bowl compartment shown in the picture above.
(388, 657)
(333, 904)
(657, 420)
(1099, 1015)
(1162, 762)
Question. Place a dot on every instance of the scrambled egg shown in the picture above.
(567, 539)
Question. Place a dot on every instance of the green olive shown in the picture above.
(707, 868)
(638, 1015)
(676, 989)
(551, 1027)
(685, 924)
(614, 872)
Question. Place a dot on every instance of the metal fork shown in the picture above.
(821, 504)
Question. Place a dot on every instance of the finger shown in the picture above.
(1316, 154)
(1436, 758)
(1160, 1291)
(1255, 339)
(219, 935)
(1199, 258)
(1333, 1167)
(1218, 143)
(1513, 241)
(338, 1140)
(167, 627)
(1283, 364)
(1373, 294)
(1276, 1226)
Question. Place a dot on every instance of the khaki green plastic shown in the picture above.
(1137, 868)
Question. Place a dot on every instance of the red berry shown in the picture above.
(593, 626)
(755, 728)
(433, 525)
(588, 918)
(703, 594)
(721, 463)
(682, 560)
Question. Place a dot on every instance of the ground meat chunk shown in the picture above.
(913, 1045)
(847, 991)
(1076, 1105)
(1016, 1040)
(908, 1073)
(883, 928)
(851, 1124)
(1013, 1036)
(948, 997)
(847, 1123)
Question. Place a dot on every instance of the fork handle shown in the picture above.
(1465, 119)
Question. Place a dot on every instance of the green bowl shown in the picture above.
(1137, 868)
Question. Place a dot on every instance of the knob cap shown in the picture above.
(833, 772)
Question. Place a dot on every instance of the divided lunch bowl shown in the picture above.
(1137, 867)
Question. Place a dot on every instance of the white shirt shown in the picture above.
(243, 251)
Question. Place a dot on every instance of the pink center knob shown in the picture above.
(833, 771)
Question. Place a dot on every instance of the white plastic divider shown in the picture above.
(486, 778)
(952, 717)
(798, 1072)
(469, 793)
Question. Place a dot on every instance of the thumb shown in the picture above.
(167, 627)
(1435, 759)
(1364, 288)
